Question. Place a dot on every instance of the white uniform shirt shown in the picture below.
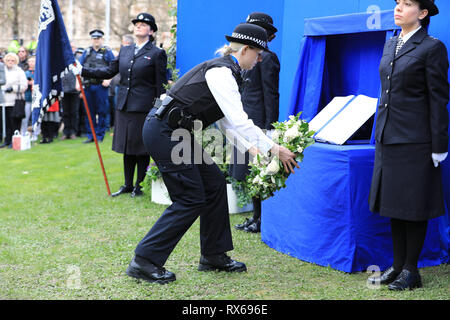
(237, 127)
(408, 36)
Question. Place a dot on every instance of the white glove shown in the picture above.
(438, 157)
(76, 70)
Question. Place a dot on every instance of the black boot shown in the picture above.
(220, 262)
(246, 223)
(386, 277)
(406, 280)
(136, 191)
(141, 268)
(123, 189)
(255, 227)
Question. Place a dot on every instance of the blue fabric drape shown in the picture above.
(336, 65)
(326, 219)
(308, 79)
(350, 23)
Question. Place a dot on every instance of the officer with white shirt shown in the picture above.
(209, 92)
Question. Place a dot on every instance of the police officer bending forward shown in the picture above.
(210, 93)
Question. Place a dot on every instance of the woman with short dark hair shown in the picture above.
(142, 69)
(411, 138)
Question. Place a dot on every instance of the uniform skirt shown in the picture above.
(127, 137)
(405, 183)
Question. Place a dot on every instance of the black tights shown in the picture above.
(407, 238)
(129, 164)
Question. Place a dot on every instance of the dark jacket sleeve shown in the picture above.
(107, 72)
(161, 73)
(270, 73)
(438, 93)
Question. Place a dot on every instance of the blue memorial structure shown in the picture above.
(326, 50)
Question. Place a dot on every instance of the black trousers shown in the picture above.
(49, 129)
(11, 125)
(196, 190)
(70, 104)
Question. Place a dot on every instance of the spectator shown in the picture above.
(70, 106)
(16, 82)
(50, 123)
(28, 94)
(2, 99)
(14, 45)
(32, 45)
(23, 58)
(81, 128)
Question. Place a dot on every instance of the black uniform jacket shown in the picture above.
(141, 76)
(415, 93)
(260, 96)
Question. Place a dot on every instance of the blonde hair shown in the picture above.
(11, 55)
(228, 49)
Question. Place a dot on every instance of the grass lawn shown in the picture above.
(62, 237)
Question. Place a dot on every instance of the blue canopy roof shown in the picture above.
(351, 23)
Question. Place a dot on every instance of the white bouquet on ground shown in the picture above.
(267, 173)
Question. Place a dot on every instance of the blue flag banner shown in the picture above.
(53, 56)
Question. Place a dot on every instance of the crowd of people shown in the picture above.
(66, 118)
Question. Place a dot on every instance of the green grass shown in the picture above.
(57, 223)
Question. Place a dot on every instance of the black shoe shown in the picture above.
(123, 189)
(137, 192)
(88, 141)
(46, 140)
(246, 223)
(141, 268)
(255, 227)
(386, 277)
(406, 280)
(3, 145)
(220, 262)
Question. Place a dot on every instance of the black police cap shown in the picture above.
(146, 18)
(262, 20)
(249, 34)
(97, 33)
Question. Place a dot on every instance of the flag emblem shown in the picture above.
(46, 16)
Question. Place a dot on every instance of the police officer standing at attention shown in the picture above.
(260, 98)
(209, 92)
(411, 139)
(96, 56)
(142, 68)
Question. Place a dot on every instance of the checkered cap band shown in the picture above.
(245, 37)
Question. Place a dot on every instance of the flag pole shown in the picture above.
(93, 133)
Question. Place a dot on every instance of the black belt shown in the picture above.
(176, 118)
